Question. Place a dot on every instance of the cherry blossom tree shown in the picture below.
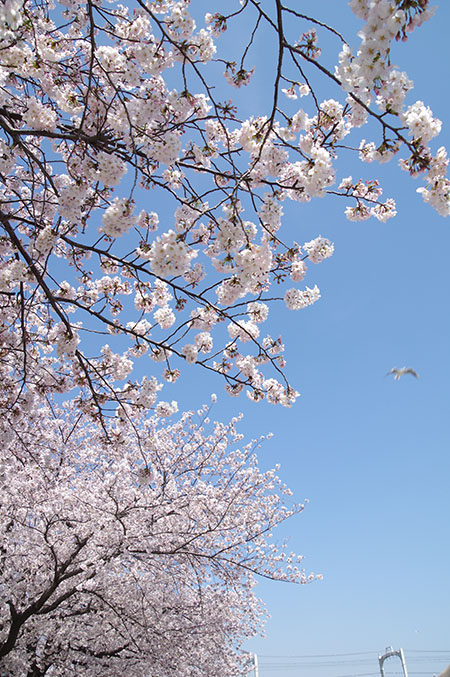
(104, 107)
(133, 553)
(142, 229)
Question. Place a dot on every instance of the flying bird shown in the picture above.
(400, 372)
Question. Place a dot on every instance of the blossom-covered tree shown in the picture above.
(133, 553)
(142, 229)
(139, 208)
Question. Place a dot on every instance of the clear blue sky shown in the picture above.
(371, 454)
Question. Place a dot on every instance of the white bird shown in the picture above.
(400, 372)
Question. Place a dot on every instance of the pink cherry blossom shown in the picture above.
(122, 537)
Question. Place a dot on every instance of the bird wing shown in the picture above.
(393, 371)
(412, 372)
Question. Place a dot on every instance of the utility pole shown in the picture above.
(388, 654)
(253, 665)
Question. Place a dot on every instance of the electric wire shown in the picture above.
(435, 659)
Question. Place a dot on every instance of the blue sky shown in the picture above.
(370, 454)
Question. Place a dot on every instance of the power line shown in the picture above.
(264, 669)
(289, 660)
(331, 662)
(322, 655)
(428, 651)
(363, 674)
(356, 653)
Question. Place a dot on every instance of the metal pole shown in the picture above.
(255, 665)
(402, 658)
(389, 653)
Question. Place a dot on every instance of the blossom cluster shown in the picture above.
(370, 75)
